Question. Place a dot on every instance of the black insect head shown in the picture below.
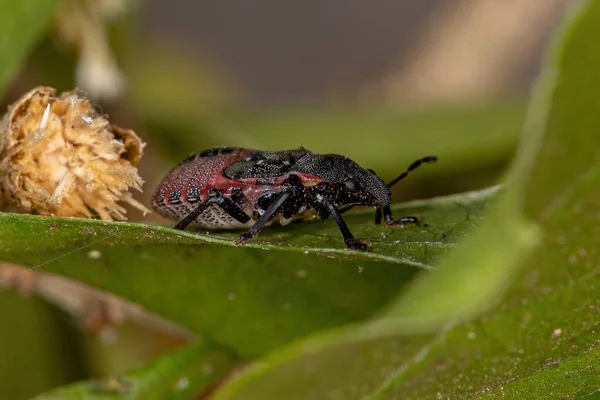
(351, 182)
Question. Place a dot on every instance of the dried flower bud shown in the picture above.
(59, 156)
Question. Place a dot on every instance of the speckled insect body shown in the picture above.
(228, 188)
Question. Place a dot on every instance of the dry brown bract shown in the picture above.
(59, 156)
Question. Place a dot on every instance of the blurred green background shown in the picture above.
(371, 80)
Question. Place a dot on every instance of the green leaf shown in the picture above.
(179, 375)
(540, 341)
(21, 24)
(287, 282)
(32, 334)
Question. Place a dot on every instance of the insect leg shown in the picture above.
(378, 216)
(266, 217)
(227, 205)
(339, 220)
(233, 210)
(389, 220)
(194, 214)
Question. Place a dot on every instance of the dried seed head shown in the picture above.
(59, 156)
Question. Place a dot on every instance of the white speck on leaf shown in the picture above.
(471, 335)
(301, 273)
(556, 333)
(182, 384)
(231, 296)
(94, 254)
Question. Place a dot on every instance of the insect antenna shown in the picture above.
(416, 164)
(411, 167)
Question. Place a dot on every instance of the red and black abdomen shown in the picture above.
(191, 182)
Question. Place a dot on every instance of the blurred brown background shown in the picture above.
(313, 51)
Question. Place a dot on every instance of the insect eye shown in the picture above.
(351, 185)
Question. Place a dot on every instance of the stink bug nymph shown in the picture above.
(228, 188)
